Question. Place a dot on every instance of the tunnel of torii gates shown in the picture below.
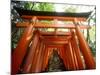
(71, 46)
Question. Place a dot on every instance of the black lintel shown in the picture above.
(47, 13)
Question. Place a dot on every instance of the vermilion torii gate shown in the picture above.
(71, 45)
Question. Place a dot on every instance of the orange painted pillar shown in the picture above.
(70, 57)
(65, 57)
(45, 60)
(60, 53)
(77, 51)
(20, 51)
(39, 60)
(89, 60)
(42, 56)
(28, 62)
(48, 56)
(35, 57)
(75, 59)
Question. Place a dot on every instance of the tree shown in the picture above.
(39, 6)
(16, 32)
(71, 9)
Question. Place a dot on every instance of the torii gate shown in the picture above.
(72, 45)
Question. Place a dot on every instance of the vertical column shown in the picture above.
(90, 63)
(20, 51)
(70, 57)
(35, 57)
(60, 53)
(28, 62)
(39, 60)
(77, 51)
(45, 59)
(64, 57)
(42, 56)
(74, 57)
(48, 56)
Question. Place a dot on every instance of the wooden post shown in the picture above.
(70, 57)
(74, 57)
(64, 57)
(39, 60)
(42, 57)
(45, 60)
(35, 57)
(28, 62)
(20, 51)
(48, 56)
(89, 60)
(77, 51)
(60, 53)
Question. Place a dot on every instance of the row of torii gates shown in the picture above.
(35, 47)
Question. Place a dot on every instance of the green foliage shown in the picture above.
(93, 47)
(92, 33)
(71, 9)
(39, 6)
(46, 7)
(92, 41)
(28, 5)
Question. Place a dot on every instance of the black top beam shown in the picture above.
(47, 13)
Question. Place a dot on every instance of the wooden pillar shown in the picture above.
(75, 59)
(45, 59)
(70, 57)
(39, 60)
(64, 57)
(89, 60)
(77, 51)
(35, 57)
(20, 51)
(42, 56)
(60, 53)
(48, 56)
(28, 62)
